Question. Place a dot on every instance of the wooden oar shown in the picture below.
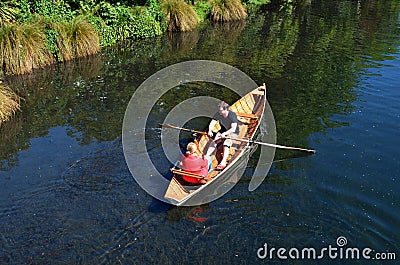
(273, 145)
(183, 129)
(243, 140)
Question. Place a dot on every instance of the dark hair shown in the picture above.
(223, 105)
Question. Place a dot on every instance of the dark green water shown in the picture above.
(67, 196)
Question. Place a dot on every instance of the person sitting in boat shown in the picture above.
(193, 163)
(229, 128)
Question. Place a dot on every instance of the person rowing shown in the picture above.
(229, 128)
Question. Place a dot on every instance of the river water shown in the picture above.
(67, 195)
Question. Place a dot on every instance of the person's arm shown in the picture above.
(231, 130)
(211, 126)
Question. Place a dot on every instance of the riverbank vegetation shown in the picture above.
(180, 16)
(37, 33)
(227, 10)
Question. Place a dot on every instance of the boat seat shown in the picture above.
(186, 174)
(247, 115)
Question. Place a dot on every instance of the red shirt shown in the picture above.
(196, 165)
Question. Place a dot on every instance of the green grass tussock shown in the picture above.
(23, 48)
(227, 10)
(76, 38)
(180, 15)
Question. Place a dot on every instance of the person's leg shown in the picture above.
(227, 145)
(211, 149)
(225, 157)
(213, 145)
(209, 161)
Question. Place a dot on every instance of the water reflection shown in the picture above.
(196, 214)
(90, 94)
(182, 43)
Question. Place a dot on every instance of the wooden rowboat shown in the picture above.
(249, 110)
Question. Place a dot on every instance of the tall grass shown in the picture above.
(76, 38)
(227, 10)
(180, 15)
(9, 103)
(7, 14)
(23, 48)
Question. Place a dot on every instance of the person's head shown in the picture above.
(223, 108)
(191, 148)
